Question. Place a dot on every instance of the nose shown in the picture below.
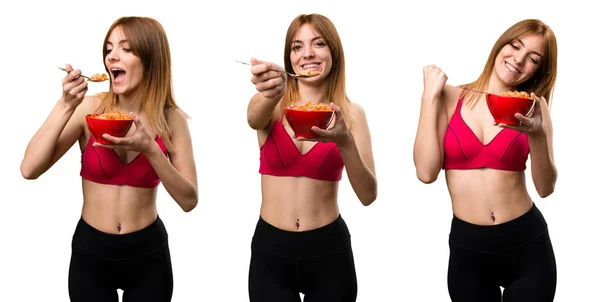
(308, 52)
(519, 58)
(112, 56)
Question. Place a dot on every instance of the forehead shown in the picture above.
(306, 32)
(533, 42)
(117, 35)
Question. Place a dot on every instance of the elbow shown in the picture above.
(28, 173)
(254, 124)
(547, 191)
(190, 205)
(368, 199)
(190, 202)
(426, 177)
(546, 188)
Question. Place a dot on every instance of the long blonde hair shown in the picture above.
(336, 88)
(148, 41)
(542, 82)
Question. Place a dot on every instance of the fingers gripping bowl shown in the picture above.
(504, 106)
(113, 123)
(303, 117)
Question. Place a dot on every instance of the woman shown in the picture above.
(120, 242)
(498, 237)
(301, 243)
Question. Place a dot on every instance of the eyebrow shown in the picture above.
(120, 42)
(535, 52)
(315, 38)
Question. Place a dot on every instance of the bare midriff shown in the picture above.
(298, 203)
(117, 209)
(488, 196)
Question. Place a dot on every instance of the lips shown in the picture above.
(512, 68)
(118, 75)
(310, 66)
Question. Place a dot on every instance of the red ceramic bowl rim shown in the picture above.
(91, 115)
(301, 110)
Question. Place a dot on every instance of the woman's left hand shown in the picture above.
(139, 141)
(338, 134)
(534, 124)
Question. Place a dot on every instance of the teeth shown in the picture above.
(310, 65)
(511, 68)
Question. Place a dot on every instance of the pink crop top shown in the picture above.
(279, 156)
(508, 150)
(103, 165)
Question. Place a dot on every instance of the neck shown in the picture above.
(127, 104)
(496, 86)
(314, 94)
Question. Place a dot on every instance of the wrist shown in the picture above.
(153, 149)
(537, 137)
(346, 141)
(64, 107)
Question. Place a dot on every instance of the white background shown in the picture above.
(400, 241)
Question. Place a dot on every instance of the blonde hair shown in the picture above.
(542, 81)
(336, 88)
(148, 41)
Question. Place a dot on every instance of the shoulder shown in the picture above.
(357, 115)
(356, 112)
(176, 115)
(88, 106)
(450, 96)
(90, 103)
(177, 120)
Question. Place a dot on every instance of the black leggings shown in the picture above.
(139, 263)
(516, 255)
(318, 263)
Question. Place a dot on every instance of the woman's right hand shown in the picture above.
(268, 78)
(74, 87)
(434, 80)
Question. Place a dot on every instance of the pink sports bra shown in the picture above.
(103, 165)
(279, 156)
(508, 150)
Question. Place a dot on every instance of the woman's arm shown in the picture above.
(269, 80)
(433, 122)
(357, 154)
(178, 173)
(355, 149)
(539, 132)
(61, 129)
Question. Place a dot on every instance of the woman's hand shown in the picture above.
(534, 124)
(139, 141)
(434, 80)
(338, 133)
(74, 87)
(268, 78)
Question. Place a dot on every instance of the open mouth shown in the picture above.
(118, 75)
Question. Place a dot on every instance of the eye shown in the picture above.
(126, 49)
(320, 44)
(533, 60)
(296, 47)
(514, 46)
(108, 51)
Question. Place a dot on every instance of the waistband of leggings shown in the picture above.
(120, 246)
(307, 244)
(500, 237)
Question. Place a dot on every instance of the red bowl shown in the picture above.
(302, 120)
(99, 126)
(504, 108)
